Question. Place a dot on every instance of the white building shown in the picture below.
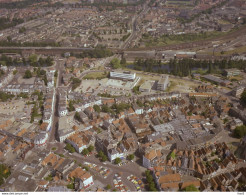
(123, 76)
(137, 109)
(78, 147)
(63, 134)
(63, 110)
(163, 83)
(114, 153)
(51, 80)
(65, 129)
(87, 104)
(84, 176)
(41, 139)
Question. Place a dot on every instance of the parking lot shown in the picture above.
(118, 184)
(102, 171)
(137, 182)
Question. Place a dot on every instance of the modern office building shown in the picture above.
(163, 82)
(123, 76)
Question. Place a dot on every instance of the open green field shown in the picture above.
(96, 75)
(170, 2)
(165, 40)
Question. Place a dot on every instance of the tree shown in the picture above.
(4, 173)
(77, 117)
(104, 158)
(123, 61)
(70, 148)
(100, 153)
(90, 148)
(243, 99)
(15, 72)
(210, 68)
(9, 38)
(150, 181)
(22, 30)
(49, 61)
(115, 63)
(86, 168)
(28, 74)
(97, 108)
(136, 90)
(75, 83)
(131, 156)
(240, 131)
(244, 20)
(5, 96)
(56, 74)
(70, 106)
(33, 58)
(105, 108)
(172, 155)
(117, 161)
(71, 186)
(85, 151)
(48, 178)
(108, 187)
(191, 188)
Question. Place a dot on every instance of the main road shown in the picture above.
(134, 33)
(55, 117)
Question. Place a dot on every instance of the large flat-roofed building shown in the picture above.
(232, 72)
(163, 82)
(145, 87)
(216, 80)
(123, 76)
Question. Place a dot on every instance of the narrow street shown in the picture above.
(53, 131)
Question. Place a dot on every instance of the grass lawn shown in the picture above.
(172, 86)
(96, 75)
(177, 39)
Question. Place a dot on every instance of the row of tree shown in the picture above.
(184, 67)
(20, 4)
(151, 182)
(88, 150)
(5, 96)
(98, 52)
(10, 43)
(32, 60)
(7, 23)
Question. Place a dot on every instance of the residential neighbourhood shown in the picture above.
(122, 96)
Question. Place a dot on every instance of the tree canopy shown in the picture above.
(243, 99)
(28, 74)
(90, 148)
(115, 63)
(191, 188)
(240, 131)
(98, 52)
(85, 151)
(70, 148)
(117, 161)
(5, 96)
(131, 156)
(4, 173)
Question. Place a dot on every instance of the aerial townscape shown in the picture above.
(122, 95)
